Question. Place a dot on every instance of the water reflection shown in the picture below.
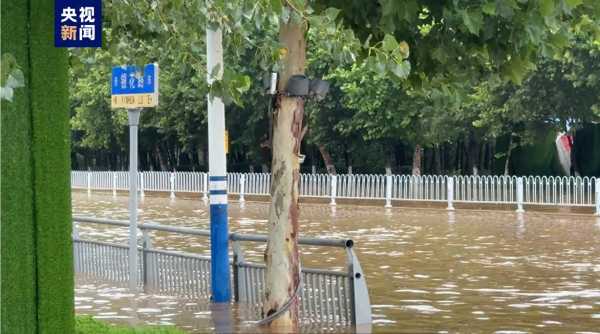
(221, 316)
(520, 225)
(427, 270)
(451, 217)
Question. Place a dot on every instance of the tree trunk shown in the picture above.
(473, 148)
(416, 167)
(281, 256)
(163, 164)
(327, 160)
(508, 152)
(438, 160)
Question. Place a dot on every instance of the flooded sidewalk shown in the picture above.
(427, 270)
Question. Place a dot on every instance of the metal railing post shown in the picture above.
(388, 190)
(238, 258)
(172, 185)
(141, 174)
(205, 186)
(359, 294)
(146, 267)
(89, 182)
(76, 257)
(520, 195)
(598, 197)
(242, 187)
(450, 188)
(333, 189)
(114, 183)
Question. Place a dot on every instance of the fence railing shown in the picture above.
(514, 190)
(328, 296)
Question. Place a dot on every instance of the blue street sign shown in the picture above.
(134, 87)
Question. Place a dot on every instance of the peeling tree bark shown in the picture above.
(416, 167)
(281, 255)
(508, 154)
(327, 160)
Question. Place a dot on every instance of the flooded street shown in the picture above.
(427, 270)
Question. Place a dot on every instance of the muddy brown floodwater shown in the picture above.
(427, 270)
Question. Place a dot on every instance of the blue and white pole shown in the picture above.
(219, 234)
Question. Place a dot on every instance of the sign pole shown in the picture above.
(134, 88)
(219, 234)
(134, 120)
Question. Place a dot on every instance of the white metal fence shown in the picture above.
(336, 297)
(494, 189)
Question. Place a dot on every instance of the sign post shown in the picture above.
(134, 121)
(219, 234)
(133, 89)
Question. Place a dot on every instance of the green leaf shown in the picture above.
(276, 6)
(546, 7)
(401, 70)
(559, 40)
(516, 69)
(389, 43)
(573, 3)
(332, 13)
(489, 8)
(473, 20)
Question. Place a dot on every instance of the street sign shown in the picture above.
(133, 87)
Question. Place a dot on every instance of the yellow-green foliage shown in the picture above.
(88, 325)
(37, 271)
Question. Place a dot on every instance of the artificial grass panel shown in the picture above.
(17, 240)
(51, 173)
(88, 325)
(37, 272)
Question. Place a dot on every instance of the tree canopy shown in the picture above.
(453, 77)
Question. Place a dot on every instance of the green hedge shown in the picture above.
(19, 310)
(88, 325)
(37, 272)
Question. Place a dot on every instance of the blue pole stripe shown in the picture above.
(217, 178)
(219, 254)
(218, 192)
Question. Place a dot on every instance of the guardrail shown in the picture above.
(327, 296)
(494, 189)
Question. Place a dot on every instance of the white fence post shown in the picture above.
(520, 194)
(388, 190)
(205, 186)
(141, 184)
(333, 189)
(598, 197)
(242, 187)
(89, 182)
(450, 188)
(172, 185)
(114, 183)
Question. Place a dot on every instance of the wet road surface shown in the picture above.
(427, 270)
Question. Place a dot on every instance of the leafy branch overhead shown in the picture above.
(405, 71)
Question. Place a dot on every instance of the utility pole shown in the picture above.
(219, 233)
